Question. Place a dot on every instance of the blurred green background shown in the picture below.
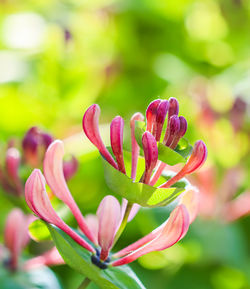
(58, 57)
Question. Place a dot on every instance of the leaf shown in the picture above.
(42, 278)
(166, 154)
(39, 231)
(79, 259)
(144, 195)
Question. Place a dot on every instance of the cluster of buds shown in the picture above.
(101, 229)
(34, 146)
(155, 116)
(16, 238)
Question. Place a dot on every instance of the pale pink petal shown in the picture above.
(70, 168)
(116, 140)
(150, 154)
(53, 171)
(174, 229)
(90, 124)
(108, 213)
(190, 199)
(92, 222)
(38, 201)
(49, 258)
(135, 149)
(14, 235)
(237, 208)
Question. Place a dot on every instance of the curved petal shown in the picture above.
(38, 201)
(190, 199)
(92, 222)
(53, 171)
(108, 214)
(90, 124)
(176, 226)
(116, 140)
(15, 234)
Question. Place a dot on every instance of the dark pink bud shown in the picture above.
(160, 118)
(116, 139)
(70, 168)
(181, 132)
(173, 107)
(46, 139)
(90, 124)
(174, 128)
(150, 153)
(151, 114)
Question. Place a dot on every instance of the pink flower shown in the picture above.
(103, 227)
(155, 115)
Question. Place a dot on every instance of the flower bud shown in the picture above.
(174, 127)
(151, 155)
(151, 114)
(116, 139)
(160, 118)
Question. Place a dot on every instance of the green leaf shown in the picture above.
(79, 259)
(144, 195)
(166, 154)
(39, 231)
(42, 278)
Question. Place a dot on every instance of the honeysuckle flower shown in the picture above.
(155, 115)
(217, 201)
(34, 145)
(16, 238)
(104, 227)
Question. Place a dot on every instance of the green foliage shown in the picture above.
(80, 260)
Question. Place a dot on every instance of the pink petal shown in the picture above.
(195, 161)
(90, 125)
(160, 118)
(237, 208)
(15, 234)
(116, 139)
(38, 201)
(150, 153)
(53, 171)
(190, 199)
(151, 114)
(108, 214)
(93, 224)
(49, 258)
(176, 227)
(135, 149)
(70, 168)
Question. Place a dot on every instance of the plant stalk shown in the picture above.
(123, 223)
(84, 283)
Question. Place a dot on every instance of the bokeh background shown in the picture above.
(58, 57)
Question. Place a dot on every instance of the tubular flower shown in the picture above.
(102, 229)
(16, 238)
(156, 113)
(34, 146)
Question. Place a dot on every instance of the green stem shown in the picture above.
(85, 283)
(123, 223)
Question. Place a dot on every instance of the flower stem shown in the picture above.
(84, 283)
(123, 223)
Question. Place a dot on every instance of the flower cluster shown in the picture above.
(34, 146)
(103, 229)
